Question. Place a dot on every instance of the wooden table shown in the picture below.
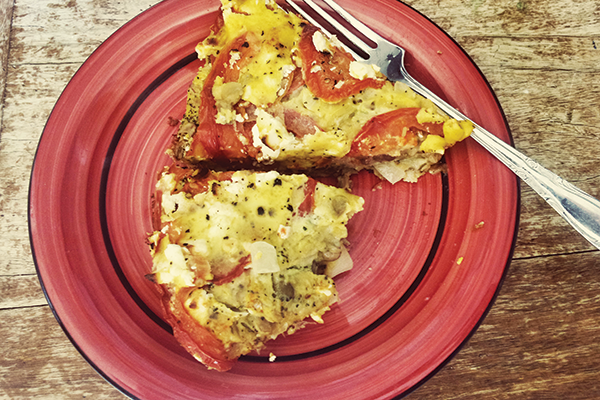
(542, 57)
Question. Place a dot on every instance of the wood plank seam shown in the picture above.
(5, 36)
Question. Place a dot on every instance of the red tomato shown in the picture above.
(309, 197)
(388, 132)
(323, 71)
(217, 141)
(197, 340)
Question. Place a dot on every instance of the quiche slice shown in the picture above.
(243, 257)
(274, 92)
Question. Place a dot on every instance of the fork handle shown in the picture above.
(578, 208)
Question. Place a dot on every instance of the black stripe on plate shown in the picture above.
(104, 181)
(432, 252)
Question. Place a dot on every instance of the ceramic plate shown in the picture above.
(429, 257)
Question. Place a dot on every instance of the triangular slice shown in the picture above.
(243, 257)
(275, 92)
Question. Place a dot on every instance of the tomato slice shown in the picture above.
(309, 197)
(386, 133)
(197, 340)
(327, 74)
(218, 141)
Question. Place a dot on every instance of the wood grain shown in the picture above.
(540, 341)
(6, 7)
(42, 363)
(542, 57)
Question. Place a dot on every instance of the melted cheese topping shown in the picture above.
(278, 33)
(252, 214)
(340, 122)
(255, 308)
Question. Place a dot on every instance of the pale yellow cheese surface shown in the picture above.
(233, 220)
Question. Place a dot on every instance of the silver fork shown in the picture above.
(578, 208)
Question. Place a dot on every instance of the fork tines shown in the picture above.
(347, 33)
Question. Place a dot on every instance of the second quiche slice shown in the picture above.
(243, 257)
(275, 92)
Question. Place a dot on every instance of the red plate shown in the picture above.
(429, 257)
